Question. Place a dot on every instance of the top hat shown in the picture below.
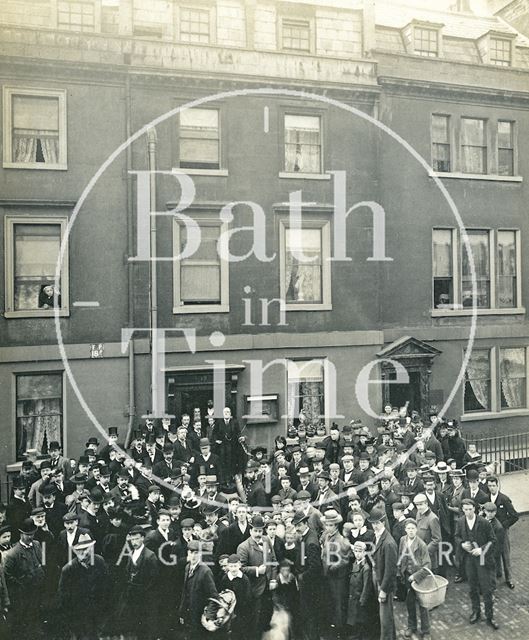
(113, 431)
(54, 446)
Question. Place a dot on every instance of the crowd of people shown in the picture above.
(188, 534)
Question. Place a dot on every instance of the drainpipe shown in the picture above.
(130, 265)
(153, 290)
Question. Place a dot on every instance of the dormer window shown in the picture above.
(426, 42)
(500, 52)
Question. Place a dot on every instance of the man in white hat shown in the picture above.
(83, 590)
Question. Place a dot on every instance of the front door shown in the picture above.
(186, 391)
(399, 394)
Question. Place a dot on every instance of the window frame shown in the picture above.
(76, 27)
(222, 171)
(224, 306)
(514, 148)
(486, 146)
(327, 378)
(297, 19)
(492, 386)
(423, 52)
(496, 410)
(326, 279)
(39, 372)
(457, 259)
(60, 94)
(205, 8)
(449, 142)
(9, 236)
(283, 173)
(497, 62)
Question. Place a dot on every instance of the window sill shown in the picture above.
(35, 165)
(197, 309)
(494, 415)
(475, 176)
(214, 173)
(442, 313)
(41, 313)
(304, 176)
(308, 307)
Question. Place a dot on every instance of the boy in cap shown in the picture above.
(235, 580)
(489, 511)
(362, 604)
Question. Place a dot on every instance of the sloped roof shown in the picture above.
(456, 25)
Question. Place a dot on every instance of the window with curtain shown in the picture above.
(426, 42)
(76, 15)
(478, 382)
(473, 145)
(296, 35)
(199, 139)
(513, 374)
(194, 25)
(305, 391)
(506, 265)
(441, 143)
(36, 250)
(35, 129)
(505, 148)
(500, 52)
(302, 144)
(200, 274)
(480, 247)
(38, 412)
(304, 266)
(443, 276)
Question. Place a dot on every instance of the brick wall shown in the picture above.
(31, 13)
(339, 33)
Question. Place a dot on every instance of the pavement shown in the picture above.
(516, 486)
(511, 610)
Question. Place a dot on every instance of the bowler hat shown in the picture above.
(204, 442)
(137, 528)
(79, 478)
(92, 440)
(377, 515)
(27, 526)
(299, 516)
(257, 522)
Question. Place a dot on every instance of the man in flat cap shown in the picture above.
(83, 591)
(259, 563)
(68, 536)
(199, 587)
(24, 574)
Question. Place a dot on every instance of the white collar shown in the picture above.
(237, 575)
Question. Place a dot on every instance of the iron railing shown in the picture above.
(506, 452)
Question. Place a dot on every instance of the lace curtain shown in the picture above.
(477, 376)
(512, 373)
(39, 412)
(35, 146)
